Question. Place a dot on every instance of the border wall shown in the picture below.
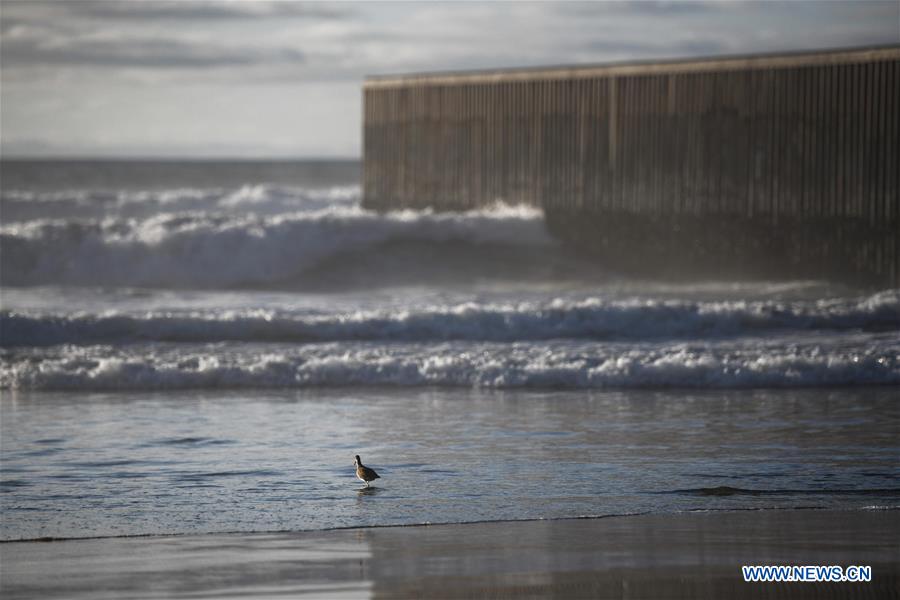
(770, 166)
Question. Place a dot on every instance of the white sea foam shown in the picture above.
(262, 237)
(222, 249)
(785, 362)
(590, 318)
(27, 205)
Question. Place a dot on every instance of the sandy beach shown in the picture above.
(646, 556)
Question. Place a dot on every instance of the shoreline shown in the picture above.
(689, 554)
(52, 539)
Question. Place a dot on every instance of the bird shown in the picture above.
(365, 473)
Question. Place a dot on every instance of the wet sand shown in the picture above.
(649, 556)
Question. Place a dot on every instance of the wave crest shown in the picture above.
(27, 205)
(221, 250)
(460, 364)
(591, 318)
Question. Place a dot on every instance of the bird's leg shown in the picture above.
(367, 484)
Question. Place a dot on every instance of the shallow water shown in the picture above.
(190, 462)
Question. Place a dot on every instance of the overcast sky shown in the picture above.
(132, 78)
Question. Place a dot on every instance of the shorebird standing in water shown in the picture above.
(364, 473)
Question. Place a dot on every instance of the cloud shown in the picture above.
(649, 7)
(253, 41)
(157, 53)
(688, 47)
(174, 10)
(64, 36)
(194, 10)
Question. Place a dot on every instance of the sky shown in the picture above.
(254, 79)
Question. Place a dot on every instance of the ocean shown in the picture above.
(202, 347)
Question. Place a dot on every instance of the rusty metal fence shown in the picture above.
(721, 162)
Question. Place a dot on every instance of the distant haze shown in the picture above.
(282, 79)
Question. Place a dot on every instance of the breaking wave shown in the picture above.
(30, 205)
(590, 318)
(228, 249)
(786, 362)
(73, 262)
